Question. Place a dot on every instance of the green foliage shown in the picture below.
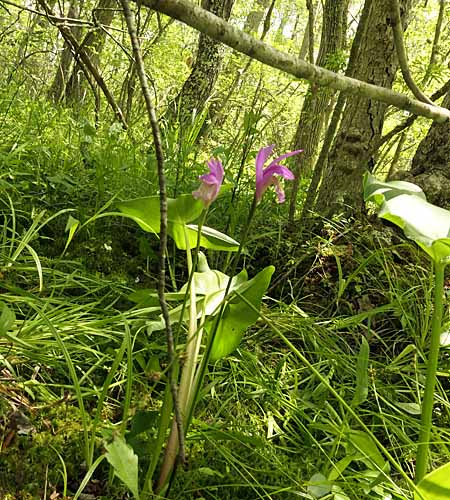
(124, 462)
(185, 208)
(404, 204)
(435, 485)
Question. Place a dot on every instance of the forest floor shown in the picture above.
(267, 426)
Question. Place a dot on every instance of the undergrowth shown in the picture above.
(266, 425)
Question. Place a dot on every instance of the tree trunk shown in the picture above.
(318, 100)
(431, 163)
(199, 85)
(255, 16)
(56, 91)
(363, 119)
(93, 44)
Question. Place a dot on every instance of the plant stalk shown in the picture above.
(430, 382)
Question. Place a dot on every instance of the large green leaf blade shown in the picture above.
(376, 190)
(405, 205)
(239, 315)
(211, 238)
(144, 211)
(435, 485)
(124, 461)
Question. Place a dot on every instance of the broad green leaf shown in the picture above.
(362, 376)
(124, 462)
(379, 191)
(238, 315)
(319, 485)
(210, 294)
(183, 209)
(208, 282)
(180, 211)
(7, 318)
(210, 238)
(435, 485)
(144, 211)
(365, 447)
(404, 204)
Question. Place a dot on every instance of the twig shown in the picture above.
(434, 49)
(81, 54)
(411, 119)
(70, 21)
(163, 219)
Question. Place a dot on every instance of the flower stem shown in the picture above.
(201, 372)
(190, 360)
(430, 382)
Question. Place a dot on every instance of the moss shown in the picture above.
(31, 460)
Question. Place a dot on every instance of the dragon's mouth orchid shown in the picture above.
(210, 186)
(268, 176)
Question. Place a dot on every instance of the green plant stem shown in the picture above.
(187, 371)
(205, 360)
(430, 382)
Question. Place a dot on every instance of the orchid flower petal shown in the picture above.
(286, 155)
(210, 183)
(261, 158)
(267, 176)
(279, 190)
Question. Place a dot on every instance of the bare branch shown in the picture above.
(80, 54)
(411, 119)
(435, 48)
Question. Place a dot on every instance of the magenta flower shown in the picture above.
(210, 186)
(265, 177)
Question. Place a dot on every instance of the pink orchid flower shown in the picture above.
(268, 176)
(210, 186)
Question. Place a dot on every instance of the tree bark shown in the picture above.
(431, 163)
(200, 84)
(363, 118)
(317, 100)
